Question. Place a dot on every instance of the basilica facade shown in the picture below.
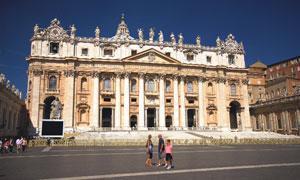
(126, 83)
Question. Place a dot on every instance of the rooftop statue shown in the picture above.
(141, 35)
(160, 37)
(97, 32)
(173, 40)
(151, 34)
(180, 40)
(198, 41)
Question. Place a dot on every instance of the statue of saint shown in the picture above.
(198, 41)
(161, 37)
(36, 29)
(141, 35)
(218, 42)
(97, 32)
(56, 108)
(173, 40)
(180, 40)
(73, 31)
(2, 78)
(151, 35)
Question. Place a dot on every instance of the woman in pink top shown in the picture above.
(169, 152)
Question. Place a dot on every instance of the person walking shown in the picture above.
(24, 144)
(161, 149)
(169, 154)
(149, 151)
(19, 145)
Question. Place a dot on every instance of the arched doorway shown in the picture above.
(133, 121)
(47, 107)
(168, 121)
(234, 113)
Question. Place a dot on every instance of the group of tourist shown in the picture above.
(8, 145)
(165, 153)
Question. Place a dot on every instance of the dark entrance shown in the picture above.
(151, 117)
(168, 121)
(235, 108)
(191, 114)
(106, 117)
(47, 107)
(133, 121)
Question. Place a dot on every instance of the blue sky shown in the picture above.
(269, 29)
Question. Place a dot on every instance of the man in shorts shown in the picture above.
(161, 149)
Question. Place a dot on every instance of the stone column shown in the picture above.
(68, 109)
(100, 119)
(246, 121)
(35, 102)
(146, 119)
(95, 101)
(221, 105)
(182, 104)
(118, 102)
(298, 120)
(201, 102)
(157, 116)
(126, 102)
(162, 120)
(141, 120)
(176, 103)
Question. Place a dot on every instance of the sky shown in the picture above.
(269, 29)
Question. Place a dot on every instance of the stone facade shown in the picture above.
(12, 109)
(279, 109)
(123, 83)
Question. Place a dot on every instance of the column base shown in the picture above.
(142, 129)
(126, 128)
(162, 128)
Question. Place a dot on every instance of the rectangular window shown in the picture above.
(168, 100)
(84, 51)
(133, 99)
(208, 59)
(168, 54)
(106, 99)
(54, 47)
(191, 101)
(190, 57)
(133, 52)
(108, 52)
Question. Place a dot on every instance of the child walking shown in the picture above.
(169, 153)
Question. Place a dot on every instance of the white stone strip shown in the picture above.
(47, 149)
(181, 171)
(142, 152)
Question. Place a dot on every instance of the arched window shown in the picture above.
(133, 85)
(83, 85)
(150, 85)
(231, 59)
(210, 88)
(189, 86)
(52, 83)
(107, 85)
(83, 115)
(278, 92)
(29, 86)
(233, 89)
(168, 86)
